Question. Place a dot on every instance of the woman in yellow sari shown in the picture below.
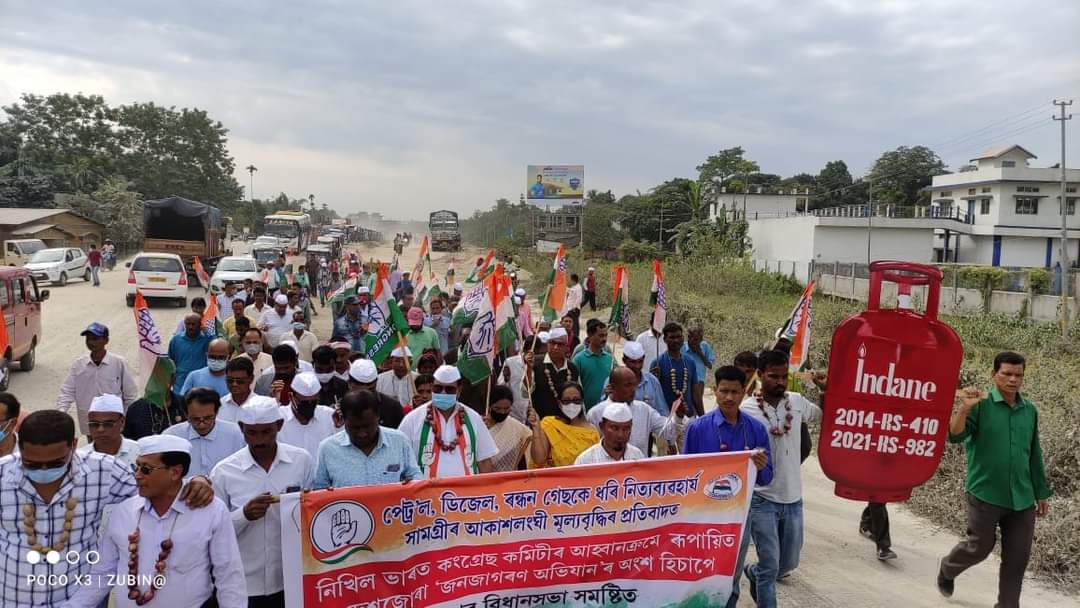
(558, 439)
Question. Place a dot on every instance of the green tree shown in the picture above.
(602, 216)
(898, 175)
(116, 206)
(718, 168)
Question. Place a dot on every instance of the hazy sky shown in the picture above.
(405, 107)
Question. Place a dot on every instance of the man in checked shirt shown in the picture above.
(46, 485)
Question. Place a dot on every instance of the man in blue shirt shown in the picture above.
(440, 322)
(537, 190)
(698, 351)
(352, 326)
(727, 429)
(212, 440)
(648, 389)
(364, 453)
(677, 373)
(188, 350)
(213, 375)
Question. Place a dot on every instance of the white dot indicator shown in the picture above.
(33, 557)
(53, 557)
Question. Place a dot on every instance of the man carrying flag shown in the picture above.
(555, 295)
(386, 324)
(650, 338)
(156, 410)
(493, 331)
(620, 302)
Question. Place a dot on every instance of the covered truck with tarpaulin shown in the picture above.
(184, 227)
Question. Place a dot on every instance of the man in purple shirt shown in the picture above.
(726, 429)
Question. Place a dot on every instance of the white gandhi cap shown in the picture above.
(633, 350)
(447, 374)
(558, 332)
(306, 384)
(618, 412)
(261, 413)
(363, 371)
(106, 403)
(544, 337)
(159, 444)
(401, 352)
(281, 299)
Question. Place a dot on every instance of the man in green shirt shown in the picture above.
(1006, 482)
(420, 338)
(594, 364)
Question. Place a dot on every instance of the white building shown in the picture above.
(1002, 213)
(760, 203)
(1012, 210)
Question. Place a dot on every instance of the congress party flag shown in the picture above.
(555, 295)
(493, 330)
(200, 272)
(797, 328)
(483, 269)
(210, 321)
(658, 298)
(386, 323)
(620, 298)
(155, 367)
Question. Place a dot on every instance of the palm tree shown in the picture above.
(251, 169)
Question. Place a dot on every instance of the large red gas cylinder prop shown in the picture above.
(891, 387)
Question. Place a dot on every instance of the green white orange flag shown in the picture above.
(797, 328)
(484, 270)
(210, 321)
(658, 298)
(155, 367)
(493, 331)
(204, 279)
(555, 295)
(422, 259)
(386, 324)
(620, 302)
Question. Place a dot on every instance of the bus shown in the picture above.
(293, 230)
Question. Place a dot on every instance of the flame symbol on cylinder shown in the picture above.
(862, 350)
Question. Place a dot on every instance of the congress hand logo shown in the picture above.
(339, 529)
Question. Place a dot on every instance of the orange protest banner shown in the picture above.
(662, 531)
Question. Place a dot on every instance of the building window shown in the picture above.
(800, 201)
(1027, 205)
(1070, 189)
(986, 189)
(1027, 188)
(946, 193)
(971, 190)
(1008, 163)
(984, 207)
(1070, 205)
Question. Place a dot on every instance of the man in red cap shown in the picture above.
(420, 337)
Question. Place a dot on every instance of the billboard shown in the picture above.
(554, 185)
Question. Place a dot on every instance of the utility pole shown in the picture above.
(1066, 280)
(869, 221)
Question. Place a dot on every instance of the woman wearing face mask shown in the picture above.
(558, 439)
(511, 437)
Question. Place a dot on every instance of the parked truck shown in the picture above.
(445, 231)
(186, 228)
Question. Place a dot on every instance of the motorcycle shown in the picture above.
(108, 261)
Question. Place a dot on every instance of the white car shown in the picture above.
(157, 275)
(59, 264)
(234, 269)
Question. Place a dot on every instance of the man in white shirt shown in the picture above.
(513, 372)
(258, 305)
(647, 421)
(106, 422)
(239, 375)
(195, 543)
(252, 344)
(97, 373)
(574, 297)
(615, 428)
(306, 342)
(277, 321)
(651, 342)
(250, 482)
(306, 422)
(447, 435)
(398, 380)
(776, 514)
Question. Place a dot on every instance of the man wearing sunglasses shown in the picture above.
(447, 437)
(106, 422)
(49, 479)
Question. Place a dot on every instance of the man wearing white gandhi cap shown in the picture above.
(448, 437)
(173, 546)
(106, 425)
(614, 443)
(250, 482)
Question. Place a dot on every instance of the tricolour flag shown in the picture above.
(155, 367)
(482, 271)
(555, 295)
(620, 302)
(204, 279)
(658, 298)
(210, 321)
(797, 329)
(493, 330)
(346, 289)
(421, 259)
(469, 305)
(386, 323)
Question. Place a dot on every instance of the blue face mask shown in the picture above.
(217, 365)
(444, 401)
(4, 433)
(46, 475)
